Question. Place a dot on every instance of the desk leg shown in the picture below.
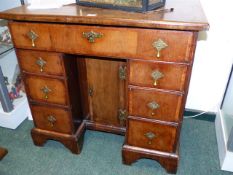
(169, 161)
(72, 142)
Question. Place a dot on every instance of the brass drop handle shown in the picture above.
(91, 36)
(153, 106)
(159, 45)
(32, 36)
(45, 90)
(150, 136)
(156, 74)
(52, 120)
(41, 63)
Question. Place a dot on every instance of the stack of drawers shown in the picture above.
(47, 82)
(159, 66)
(157, 92)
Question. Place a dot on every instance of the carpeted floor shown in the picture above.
(101, 154)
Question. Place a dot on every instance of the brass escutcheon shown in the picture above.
(91, 36)
(153, 106)
(32, 36)
(122, 72)
(150, 136)
(156, 74)
(159, 45)
(41, 63)
(122, 115)
(52, 120)
(46, 91)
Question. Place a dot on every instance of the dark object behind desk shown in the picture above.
(127, 5)
(230, 141)
(4, 97)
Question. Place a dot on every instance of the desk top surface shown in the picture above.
(187, 15)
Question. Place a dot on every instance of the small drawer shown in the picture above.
(30, 35)
(165, 45)
(151, 135)
(52, 119)
(46, 89)
(45, 63)
(155, 104)
(158, 75)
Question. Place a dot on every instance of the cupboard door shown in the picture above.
(106, 91)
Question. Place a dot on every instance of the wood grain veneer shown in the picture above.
(164, 135)
(169, 104)
(174, 75)
(53, 66)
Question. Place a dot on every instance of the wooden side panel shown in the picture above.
(62, 122)
(169, 104)
(173, 75)
(108, 94)
(53, 63)
(57, 95)
(163, 135)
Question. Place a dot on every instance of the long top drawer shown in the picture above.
(148, 44)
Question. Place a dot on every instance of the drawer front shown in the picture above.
(151, 135)
(47, 63)
(30, 35)
(46, 89)
(155, 104)
(157, 75)
(52, 119)
(162, 45)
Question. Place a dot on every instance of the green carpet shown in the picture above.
(101, 154)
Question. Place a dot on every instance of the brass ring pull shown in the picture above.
(52, 120)
(156, 74)
(159, 45)
(150, 136)
(153, 106)
(41, 63)
(32, 36)
(46, 92)
(91, 36)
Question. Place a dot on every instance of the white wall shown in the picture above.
(213, 58)
(228, 101)
(7, 4)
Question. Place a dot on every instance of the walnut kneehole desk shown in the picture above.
(113, 71)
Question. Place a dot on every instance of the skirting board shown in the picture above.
(225, 156)
(14, 118)
(209, 116)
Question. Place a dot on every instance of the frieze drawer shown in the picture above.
(134, 43)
